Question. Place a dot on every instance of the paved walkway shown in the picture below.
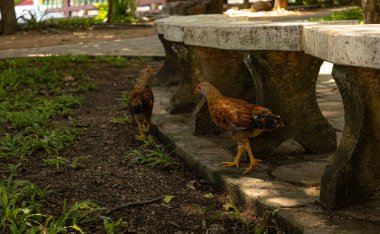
(143, 46)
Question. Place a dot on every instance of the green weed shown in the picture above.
(123, 120)
(113, 227)
(13, 168)
(212, 214)
(125, 100)
(57, 161)
(117, 61)
(21, 205)
(33, 98)
(76, 162)
(151, 154)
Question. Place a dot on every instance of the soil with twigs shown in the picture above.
(105, 174)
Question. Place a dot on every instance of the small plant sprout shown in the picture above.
(122, 120)
(150, 153)
(57, 161)
(113, 227)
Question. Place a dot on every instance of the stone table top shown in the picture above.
(235, 33)
(356, 45)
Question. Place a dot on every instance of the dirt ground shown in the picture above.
(49, 38)
(106, 175)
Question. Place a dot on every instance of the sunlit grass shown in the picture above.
(352, 14)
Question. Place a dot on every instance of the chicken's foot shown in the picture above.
(253, 162)
(141, 136)
(236, 162)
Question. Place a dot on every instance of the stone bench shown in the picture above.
(354, 171)
(277, 65)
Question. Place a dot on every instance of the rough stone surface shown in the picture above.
(234, 33)
(357, 45)
(285, 74)
(171, 72)
(201, 121)
(353, 174)
(225, 69)
(306, 173)
(289, 147)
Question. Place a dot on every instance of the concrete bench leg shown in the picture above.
(289, 83)
(224, 68)
(171, 72)
(354, 172)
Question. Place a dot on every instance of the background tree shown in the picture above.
(8, 16)
(246, 4)
(110, 11)
(371, 10)
(122, 10)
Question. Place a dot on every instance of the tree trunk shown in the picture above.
(110, 11)
(8, 16)
(371, 10)
(214, 6)
(246, 4)
(280, 4)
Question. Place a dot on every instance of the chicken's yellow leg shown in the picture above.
(236, 162)
(253, 162)
(141, 130)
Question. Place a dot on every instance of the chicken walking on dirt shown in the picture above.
(241, 119)
(141, 101)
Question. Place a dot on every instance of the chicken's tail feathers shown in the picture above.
(269, 121)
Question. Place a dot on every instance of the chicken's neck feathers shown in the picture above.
(212, 95)
(142, 81)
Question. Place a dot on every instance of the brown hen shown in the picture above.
(141, 101)
(241, 119)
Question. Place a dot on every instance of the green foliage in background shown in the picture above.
(123, 11)
(352, 14)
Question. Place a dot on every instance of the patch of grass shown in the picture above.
(69, 23)
(57, 161)
(37, 98)
(113, 227)
(213, 213)
(34, 94)
(352, 14)
(21, 210)
(20, 205)
(230, 211)
(123, 120)
(125, 100)
(117, 61)
(150, 153)
(32, 22)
